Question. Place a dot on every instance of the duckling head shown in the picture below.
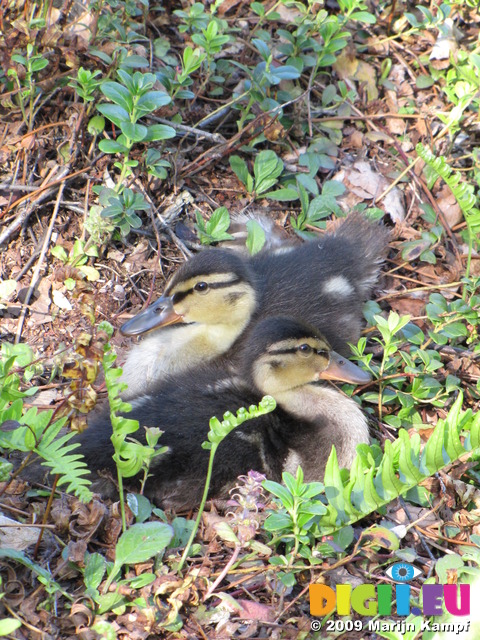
(293, 355)
(215, 287)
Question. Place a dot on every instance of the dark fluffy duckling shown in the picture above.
(284, 358)
(213, 298)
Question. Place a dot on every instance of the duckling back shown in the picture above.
(325, 282)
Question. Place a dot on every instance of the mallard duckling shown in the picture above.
(284, 358)
(211, 300)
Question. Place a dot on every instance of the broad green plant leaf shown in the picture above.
(139, 543)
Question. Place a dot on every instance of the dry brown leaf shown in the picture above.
(408, 306)
(40, 308)
(346, 65)
(15, 536)
(363, 182)
(445, 46)
(76, 551)
(81, 29)
(226, 5)
(448, 205)
(287, 15)
(357, 140)
(256, 611)
(396, 126)
(349, 68)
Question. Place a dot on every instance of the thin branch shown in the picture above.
(36, 273)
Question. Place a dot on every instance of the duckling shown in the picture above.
(284, 358)
(213, 298)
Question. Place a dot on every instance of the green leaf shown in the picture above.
(159, 132)
(455, 330)
(280, 492)
(153, 100)
(112, 146)
(363, 16)
(219, 222)
(118, 94)
(255, 237)
(59, 252)
(108, 601)
(240, 169)
(258, 8)
(113, 112)
(278, 522)
(262, 48)
(141, 542)
(96, 125)
(135, 132)
(39, 64)
(286, 72)
(424, 82)
(266, 169)
(41, 573)
(8, 626)
(140, 506)
(95, 567)
(225, 532)
(286, 194)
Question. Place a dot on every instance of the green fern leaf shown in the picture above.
(334, 486)
(70, 468)
(409, 472)
(432, 456)
(401, 468)
(389, 486)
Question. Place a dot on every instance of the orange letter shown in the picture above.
(322, 599)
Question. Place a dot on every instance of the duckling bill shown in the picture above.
(212, 300)
(284, 358)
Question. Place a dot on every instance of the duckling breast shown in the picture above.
(325, 418)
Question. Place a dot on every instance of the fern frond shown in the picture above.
(370, 487)
(36, 434)
(71, 468)
(463, 191)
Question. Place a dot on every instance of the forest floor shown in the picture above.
(341, 97)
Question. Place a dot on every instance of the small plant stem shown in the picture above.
(224, 572)
(469, 256)
(380, 384)
(45, 516)
(122, 499)
(245, 113)
(200, 509)
(262, 18)
(222, 108)
(41, 258)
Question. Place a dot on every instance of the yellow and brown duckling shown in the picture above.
(211, 301)
(283, 358)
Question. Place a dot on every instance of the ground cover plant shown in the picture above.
(132, 133)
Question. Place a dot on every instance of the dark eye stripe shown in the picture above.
(180, 295)
(319, 352)
(280, 352)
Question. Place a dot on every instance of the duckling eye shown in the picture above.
(305, 349)
(201, 287)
